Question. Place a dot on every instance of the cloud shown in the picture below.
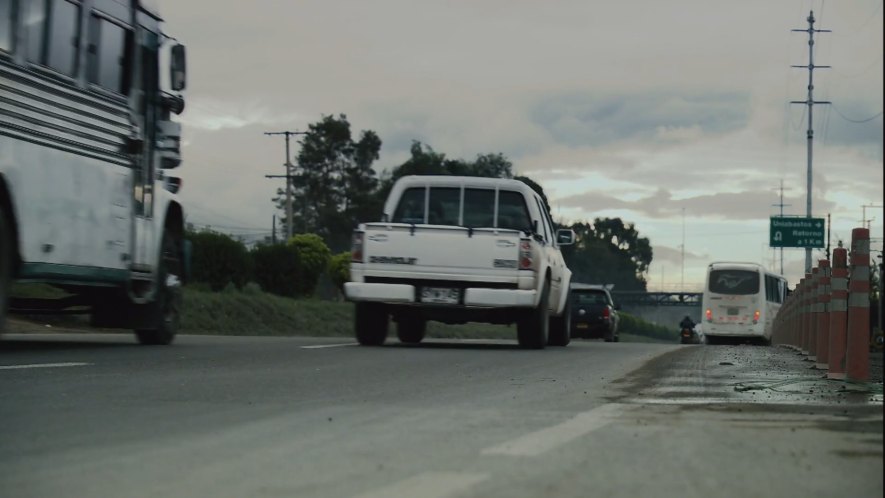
(581, 119)
(661, 204)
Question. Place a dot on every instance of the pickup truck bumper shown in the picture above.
(472, 297)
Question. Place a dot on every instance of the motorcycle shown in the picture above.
(687, 336)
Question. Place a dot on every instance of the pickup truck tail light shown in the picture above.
(709, 315)
(526, 261)
(606, 313)
(356, 247)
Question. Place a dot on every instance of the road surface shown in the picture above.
(96, 415)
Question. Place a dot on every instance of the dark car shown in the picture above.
(594, 314)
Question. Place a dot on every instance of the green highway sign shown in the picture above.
(796, 232)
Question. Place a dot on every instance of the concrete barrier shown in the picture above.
(812, 313)
(806, 314)
(838, 314)
(857, 357)
(823, 315)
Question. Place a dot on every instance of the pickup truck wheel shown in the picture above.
(370, 323)
(5, 266)
(560, 326)
(411, 330)
(531, 329)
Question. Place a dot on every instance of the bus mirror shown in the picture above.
(178, 68)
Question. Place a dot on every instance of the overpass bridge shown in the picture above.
(662, 308)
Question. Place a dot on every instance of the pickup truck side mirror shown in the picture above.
(565, 236)
(617, 307)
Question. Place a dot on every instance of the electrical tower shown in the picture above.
(810, 102)
(781, 205)
(288, 176)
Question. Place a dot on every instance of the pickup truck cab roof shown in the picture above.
(406, 182)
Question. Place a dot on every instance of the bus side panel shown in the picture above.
(72, 209)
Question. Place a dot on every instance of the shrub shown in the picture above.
(633, 325)
(277, 268)
(339, 269)
(313, 259)
(218, 260)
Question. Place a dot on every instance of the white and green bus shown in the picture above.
(87, 93)
(741, 300)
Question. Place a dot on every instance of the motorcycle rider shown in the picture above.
(687, 323)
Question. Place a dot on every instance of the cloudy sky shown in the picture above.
(673, 115)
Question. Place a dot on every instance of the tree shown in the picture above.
(609, 252)
(334, 181)
(537, 188)
(218, 259)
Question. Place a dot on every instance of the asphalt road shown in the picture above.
(96, 415)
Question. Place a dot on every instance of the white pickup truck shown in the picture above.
(461, 249)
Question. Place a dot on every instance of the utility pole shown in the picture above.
(781, 205)
(864, 208)
(287, 176)
(809, 101)
(682, 277)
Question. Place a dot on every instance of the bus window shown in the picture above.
(734, 282)
(106, 59)
(61, 54)
(6, 16)
(35, 26)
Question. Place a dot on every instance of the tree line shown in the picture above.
(335, 187)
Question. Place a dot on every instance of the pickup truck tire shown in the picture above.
(411, 330)
(532, 328)
(370, 323)
(560, 326)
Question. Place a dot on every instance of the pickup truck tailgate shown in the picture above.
(431, 249)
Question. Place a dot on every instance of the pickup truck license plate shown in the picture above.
(440, 295)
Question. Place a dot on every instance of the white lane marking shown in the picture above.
(428, 485)
(44, 365)
(544, 440)
(322, 346)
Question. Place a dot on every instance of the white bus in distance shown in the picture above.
(87, 93)
(741, 300)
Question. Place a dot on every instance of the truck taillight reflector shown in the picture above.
(709, 314)
(606, 313)
(525, 256)
(356, 247)
(756, 315)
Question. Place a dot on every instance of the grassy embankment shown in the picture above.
(252, 312)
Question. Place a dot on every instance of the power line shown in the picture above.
(855, 120)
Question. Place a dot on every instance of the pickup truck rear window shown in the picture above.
(444, 208)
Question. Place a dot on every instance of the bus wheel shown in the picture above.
(167, 305)
(5, 265)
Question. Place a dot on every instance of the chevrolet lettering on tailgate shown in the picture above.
(392, 260)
